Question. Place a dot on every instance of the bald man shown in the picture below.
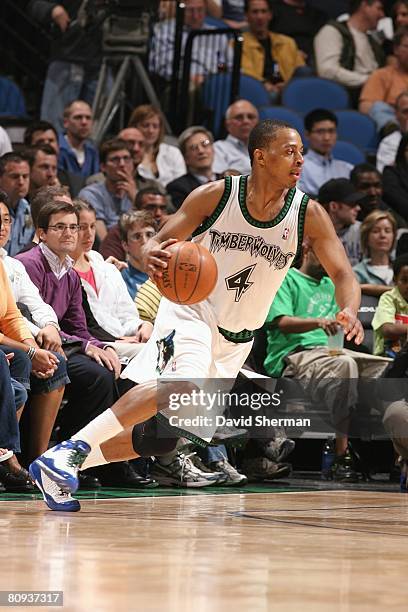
(232, 153)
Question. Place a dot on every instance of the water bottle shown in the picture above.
(328, 455)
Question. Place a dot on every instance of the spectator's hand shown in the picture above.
(106, 358)
(155, 257)
(48, 338)
(120, 265)
(351, 325)
(126, 184)
(329, 326)
(44, 363)
(60, 16)
(145, 331)
(9, 357)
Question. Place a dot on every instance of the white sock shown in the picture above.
(102, 428)
(94, 458)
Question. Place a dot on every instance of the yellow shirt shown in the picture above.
(147, 301)
(12, 323)
(284, 50)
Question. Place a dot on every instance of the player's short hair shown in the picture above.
(263, 133)
(133, 217)
(399, 263)
(37, 126)
(317, 115)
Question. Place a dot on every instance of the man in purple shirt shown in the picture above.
(92, 368)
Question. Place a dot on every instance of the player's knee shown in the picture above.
(147, 441)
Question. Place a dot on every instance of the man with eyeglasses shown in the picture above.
(136, 229)
(232, 152)
(319, 164)
(15, 182)
(117, 193)
(196, 145)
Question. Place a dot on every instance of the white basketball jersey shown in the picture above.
(253, 257)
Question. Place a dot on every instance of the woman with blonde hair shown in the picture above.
(161, 161)
(378, 232)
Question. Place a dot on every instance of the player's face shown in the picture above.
(402, 282)
(87, 231)
(5, 224)
(283, 158)
(322, 137)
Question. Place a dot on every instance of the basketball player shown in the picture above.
(254, 228)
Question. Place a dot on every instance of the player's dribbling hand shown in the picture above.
(351, 325)
(156, 258)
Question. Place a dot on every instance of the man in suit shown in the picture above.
(196, 145)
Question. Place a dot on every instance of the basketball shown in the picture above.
(191, 274)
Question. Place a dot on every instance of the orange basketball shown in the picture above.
(191, 273)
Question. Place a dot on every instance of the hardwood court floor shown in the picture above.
(317, 550)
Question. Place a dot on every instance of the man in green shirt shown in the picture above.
(299, 322)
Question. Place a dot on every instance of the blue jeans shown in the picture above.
(20, 369)
(382, 113)
(66, 82)
(9, 431)
(211, 454)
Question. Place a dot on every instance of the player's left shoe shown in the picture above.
(54, 496)
(62, 462)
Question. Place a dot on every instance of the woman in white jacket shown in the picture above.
(108, 297)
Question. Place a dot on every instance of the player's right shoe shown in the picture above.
(54, 496)
(62, 462)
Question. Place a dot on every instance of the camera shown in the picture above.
(126, 24)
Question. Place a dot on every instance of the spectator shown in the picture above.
(400, 14)
(161, 161)
(387, 150)
(345, 51)
(136, 228)
(232, 153)
(382, 88)
(15, 182)
(196, 145)
(320, 166)
(204, 57)
(43, 168)
(115, 195)
(342, 202)
(230, 11)
(149, 199)
(378, 233)
(299, 322)
(395, 181)
(108, 297)
(5, 144)
(77, 153)
(76, 54)
(389, 333)
(266, 56)
(299, 20)
(44, 133)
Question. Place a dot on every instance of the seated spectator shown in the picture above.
(320, 166)
(161, 162)
(44, 133)
(378, 233)
(266, 56)
(204, 57)
(342, 202)
(382, 88)
(106, 290)
(301, 318)
(395, 181)
(46, 395)
(230, 11)
(15, 182)
(5, 144)
(389, 332)
(136, 228)
(149, 199)
(299, 20)
(346, 52)
(43, 168)
(115, 195)
(388, 147)
(232, 152)
(77, 153)
(196, 145)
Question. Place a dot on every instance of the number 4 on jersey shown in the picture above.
(239, 282)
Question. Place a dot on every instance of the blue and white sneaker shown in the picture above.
(54, 496)
(62, 462)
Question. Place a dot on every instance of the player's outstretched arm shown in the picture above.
(199, 205)
(331, 254)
